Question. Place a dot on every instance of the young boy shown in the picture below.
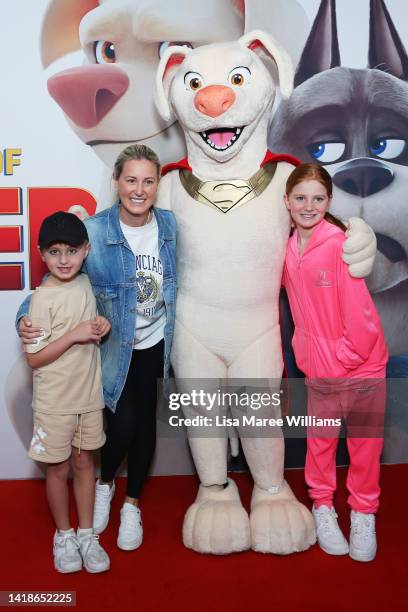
(67, 389)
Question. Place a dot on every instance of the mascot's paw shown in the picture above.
(360, 248)
(280, 524)
(217, 523)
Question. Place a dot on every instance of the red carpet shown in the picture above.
(164, 576)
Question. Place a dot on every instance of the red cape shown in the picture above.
(269, 156)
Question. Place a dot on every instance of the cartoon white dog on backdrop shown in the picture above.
(233, 227)
(108, 101)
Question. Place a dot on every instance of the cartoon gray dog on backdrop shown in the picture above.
(355, 123)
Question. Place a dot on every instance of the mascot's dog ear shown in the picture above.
(171, 60)
(263, 44)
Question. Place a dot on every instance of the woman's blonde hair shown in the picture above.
(138, 152)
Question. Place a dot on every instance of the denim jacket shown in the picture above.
(111, 268)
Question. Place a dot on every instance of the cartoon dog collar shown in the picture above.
(227, 194)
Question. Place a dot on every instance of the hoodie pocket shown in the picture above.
(323, 359)
(300, 345)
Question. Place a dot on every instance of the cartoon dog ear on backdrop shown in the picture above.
(386, 51)
(321, 50)
(59, 34)
(266, 47)
(257, 41)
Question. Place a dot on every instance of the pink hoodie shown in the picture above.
(338, 332)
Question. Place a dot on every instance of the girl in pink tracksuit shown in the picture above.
(339, 345)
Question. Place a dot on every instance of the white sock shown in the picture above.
(84, 532)
(64, 531)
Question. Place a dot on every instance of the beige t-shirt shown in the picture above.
(71, 384)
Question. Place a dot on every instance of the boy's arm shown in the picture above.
(40, 356)
(49, 353)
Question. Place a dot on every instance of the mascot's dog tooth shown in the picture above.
(232, 233)
(355, 123)
(109, 100)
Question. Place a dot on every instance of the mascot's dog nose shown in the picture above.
(214, 100)
(363, 177)
(87, 93)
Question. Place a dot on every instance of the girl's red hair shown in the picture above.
(310, 172)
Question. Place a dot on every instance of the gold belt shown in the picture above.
(228, 194)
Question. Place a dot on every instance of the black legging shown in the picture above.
(131, 430)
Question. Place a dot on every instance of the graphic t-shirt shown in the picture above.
(150, 309)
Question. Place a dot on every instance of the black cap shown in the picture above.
(62, 227)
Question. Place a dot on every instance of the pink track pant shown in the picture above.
(362, 408)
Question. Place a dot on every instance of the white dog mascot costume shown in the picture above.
(233, 227)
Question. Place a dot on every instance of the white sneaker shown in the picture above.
(67, 557)
(329, 534)
(94, 557)
(363, 541)
(103, 497)
(130, 531)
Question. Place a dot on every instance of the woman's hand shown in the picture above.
(27, 332)
(103, 325)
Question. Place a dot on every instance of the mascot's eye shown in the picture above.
(104, 52)
(239, 76)
(170, 43)
(388, 148)
(195, 84)
(327, 152)
(193, 80)
(237, 79)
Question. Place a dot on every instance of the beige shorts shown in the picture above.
(54, 435)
